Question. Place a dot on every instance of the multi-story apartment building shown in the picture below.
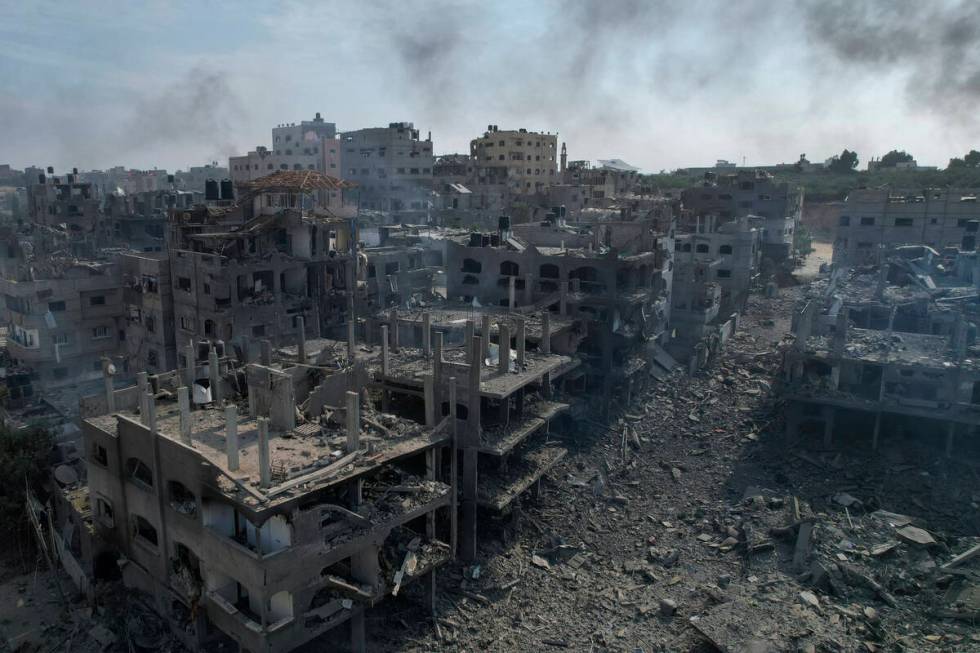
(392, 166)
(733, 253)
(251, 530)
(873, 220)
(748, 193)
(71, 211)
(138, 221)
(62, 320)
(616, 276)
(309, 145)
(149, 312)
(522, 161)
(253, 270)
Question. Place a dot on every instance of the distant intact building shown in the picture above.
(523, 161)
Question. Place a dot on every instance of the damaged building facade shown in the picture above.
(265, 504)
(875, 220)
(774, 207)
(617, 276)
(279, 261)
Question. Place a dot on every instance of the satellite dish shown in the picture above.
(110, 369)
(65, 475)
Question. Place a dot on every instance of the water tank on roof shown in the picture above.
(50, 170)
(211, 190)
(476, 239)
(227, 190)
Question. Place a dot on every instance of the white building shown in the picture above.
(308, 145)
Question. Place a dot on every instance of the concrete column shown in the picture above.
(384, 350)
(427, 334)
(110, 393)
(484, 336)
(353, 422)
(428, 387)
(545, 345)
(453, 479)
(253, 398)
(468, 337)
(265, 464)
(265, 355)
(143, 387)
(528, 288)
(563, 299)
(231, 436)
(358, 638)
(546, 385)
(521, 335)
(151, 413)
(437, 361)
(470, 457)
(511, 292)
(184, 402)
(393, 328)
(190, 365)
(503, 348)
(214, 374)
(301, 342)
(351, 342)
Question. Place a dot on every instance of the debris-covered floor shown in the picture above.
(687, 523)
(712, 534)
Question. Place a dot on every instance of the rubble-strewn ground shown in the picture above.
(683, 535)
(687, 542)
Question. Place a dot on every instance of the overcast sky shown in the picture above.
(659, 83)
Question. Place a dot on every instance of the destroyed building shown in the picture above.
(148, 300)
(615, 275)
(63, 316)
(873, 219)
(66, 214)
(279, 261)
(138, 221)
(505, 395)
(776, 206)
(264, 504)
(400, 271)
(868, 386)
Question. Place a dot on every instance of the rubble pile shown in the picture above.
(688, 524)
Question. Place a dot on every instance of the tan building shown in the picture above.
(523, 161)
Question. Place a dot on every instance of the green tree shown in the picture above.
(846, 162)
(970, 160)
(23, 455)
(895, 157)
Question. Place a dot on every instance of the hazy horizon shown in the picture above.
(659, 84)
